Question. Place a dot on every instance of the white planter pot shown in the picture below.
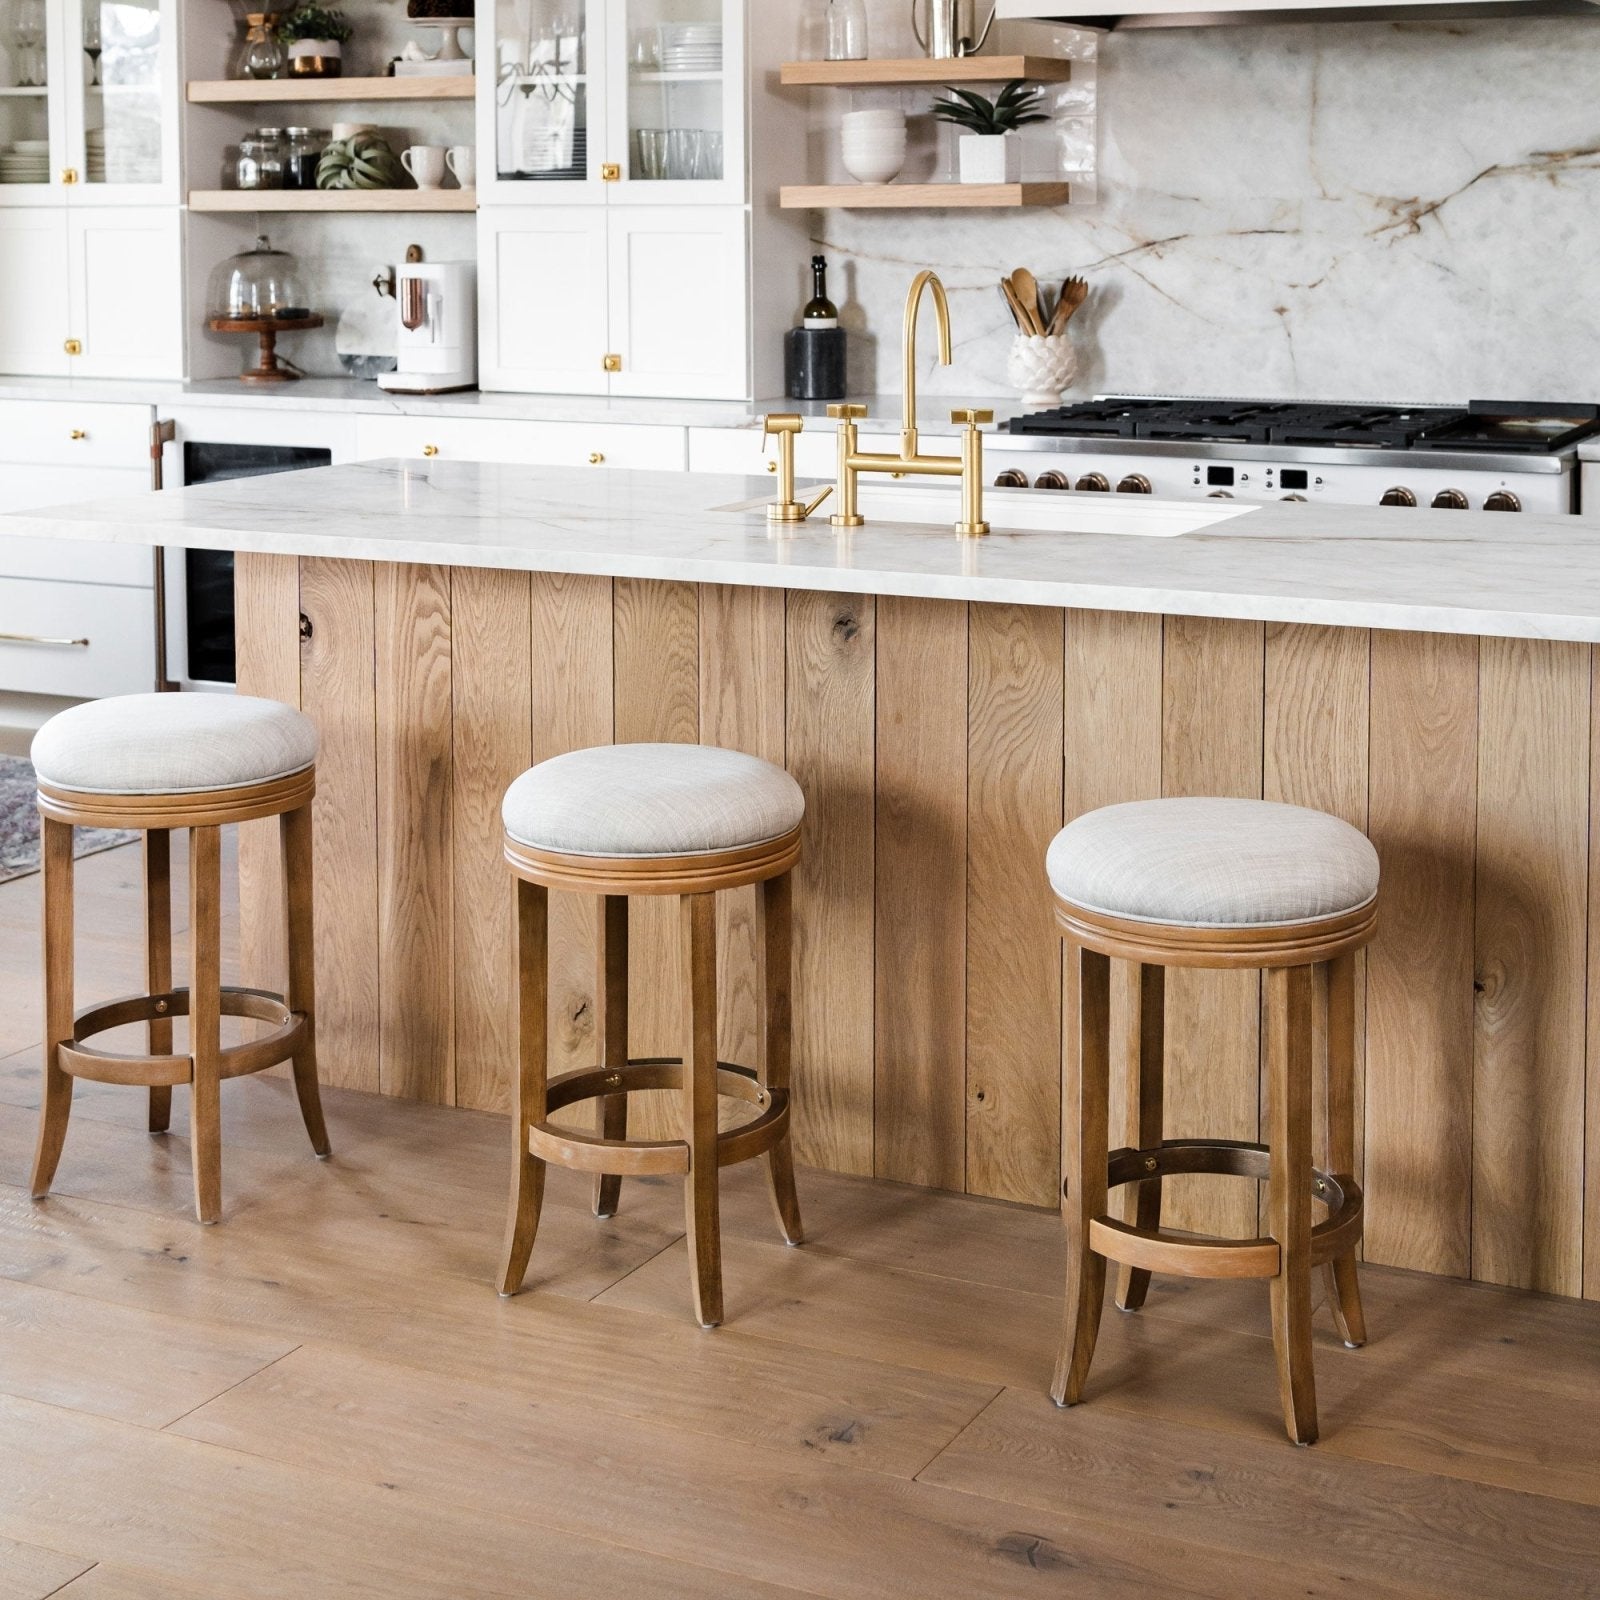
(991, 158)
(315, 58)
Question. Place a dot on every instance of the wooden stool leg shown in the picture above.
(158, 960)
(611, 995)
(698, 943)
(528, 1100)
(205, 1018)
(56, 1105)
(1085, 1092)
(774, 952)
(300, 996)
(1144, 1118)
(1289, 1025)
(1344, 1293)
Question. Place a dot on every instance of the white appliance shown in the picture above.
(1126, 14)
(437, 304)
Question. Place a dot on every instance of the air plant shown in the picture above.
(1014, 107)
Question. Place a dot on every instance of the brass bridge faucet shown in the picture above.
(968, 466)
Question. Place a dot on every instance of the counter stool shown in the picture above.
(653, 819)
(1226, 884)
(156, 762)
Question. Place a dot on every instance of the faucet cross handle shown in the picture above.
(972, 418)
(847, 413)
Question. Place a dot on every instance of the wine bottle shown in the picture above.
(820, 311)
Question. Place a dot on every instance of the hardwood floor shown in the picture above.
(324, 1397)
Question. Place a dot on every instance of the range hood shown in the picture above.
(1126, 14)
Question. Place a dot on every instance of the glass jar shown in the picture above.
(847, 30)
(260, 161)
(302, 151)
(258, 284)
(813, 40)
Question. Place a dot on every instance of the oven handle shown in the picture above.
(44, 640)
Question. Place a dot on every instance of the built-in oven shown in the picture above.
(212, 444)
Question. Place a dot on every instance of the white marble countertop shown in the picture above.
(1437, 571)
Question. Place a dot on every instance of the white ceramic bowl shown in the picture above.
(873, 119)
(874, 162)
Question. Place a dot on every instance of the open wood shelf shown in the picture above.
(333, 200)
(917, 196)
(922, 69)
(261, 91)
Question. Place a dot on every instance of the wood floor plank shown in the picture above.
(338, 690)
(112, 1581)
(1380, 1528)
(831, 740)
(28, 1572)
(884, 1537)
(1418, 1170)
(1211, 745)
(416, 1028)
(572, 709)
(131, 1494)
(1013, 1089)
(919, 1133)
(56, 1351)
(741, 708)
(1531, 937)
(491, 708)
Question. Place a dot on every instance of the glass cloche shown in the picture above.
(258, 285)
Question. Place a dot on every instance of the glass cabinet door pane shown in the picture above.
(675, 90)
(542, 91)
(25, 71)
(121, 68)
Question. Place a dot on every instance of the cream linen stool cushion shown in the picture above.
(1213, 863)
(172, 744)
(651, 800)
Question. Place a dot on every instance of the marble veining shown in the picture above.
(1439, 571)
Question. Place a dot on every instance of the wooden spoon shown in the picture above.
(1073, 293)
(1019, 311)
(1027, 287)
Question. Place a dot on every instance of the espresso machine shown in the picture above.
(437, 306)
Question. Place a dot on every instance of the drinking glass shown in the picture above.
(683, 152)
(650, 151)
(708, 159)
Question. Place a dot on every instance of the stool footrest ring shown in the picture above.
(1190, 1256)
(586, 1152)
(81, 1060)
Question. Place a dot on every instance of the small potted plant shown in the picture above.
(315, 40)
(990, 152)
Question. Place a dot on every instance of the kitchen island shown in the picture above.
(945, 704)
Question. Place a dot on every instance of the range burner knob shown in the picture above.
(1502, 500)
(1292, 497)
(1135, 483)
(1449, 500)
(1220, 494)
(1094, 483)
(1397, 497)
(1051, 480)
(1012, 478)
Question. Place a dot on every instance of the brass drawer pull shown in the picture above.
(73, 347)
(42, 639)
(597, 458)
(78, 433)
(430, 450)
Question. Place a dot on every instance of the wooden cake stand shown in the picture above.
(267, 368)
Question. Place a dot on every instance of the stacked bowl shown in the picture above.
(874, 145)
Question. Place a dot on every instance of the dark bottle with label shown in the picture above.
(814, 353)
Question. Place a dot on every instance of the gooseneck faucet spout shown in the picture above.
(941, 311)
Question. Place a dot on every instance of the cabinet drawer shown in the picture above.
(70, 560)
(542, 444)
(119, 625)
(64, 433)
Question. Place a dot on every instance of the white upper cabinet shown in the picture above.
(90, 116)
(596, 102)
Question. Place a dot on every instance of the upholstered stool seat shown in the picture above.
(652, 800)
(1225, 884)
(653, 819)
(1213, 863)
(159, 762)
(172, 744)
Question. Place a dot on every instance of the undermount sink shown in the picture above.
(1032, 511)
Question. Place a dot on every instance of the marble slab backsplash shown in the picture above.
(1398, 211)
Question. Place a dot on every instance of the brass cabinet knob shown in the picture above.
(73, 347)
(611, 172)
(69, 175)
(597, 458)
(77, 433)
(430, 450)
(611, 363)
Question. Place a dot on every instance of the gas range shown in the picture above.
(1489, 455)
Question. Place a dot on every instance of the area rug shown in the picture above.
(19, 824)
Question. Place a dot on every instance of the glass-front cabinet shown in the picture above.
(89, 102)
(610, 101)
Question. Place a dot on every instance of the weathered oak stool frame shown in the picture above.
(290, 1016)
(1294, 957)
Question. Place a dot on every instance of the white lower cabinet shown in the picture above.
(640, 301)
(83, 640)
(92, 293)
(532, 444)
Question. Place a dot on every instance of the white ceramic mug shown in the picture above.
(425, 163)
(462, 161)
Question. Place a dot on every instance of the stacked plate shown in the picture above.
(95, 154)
(691, 47)
(26, 161)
